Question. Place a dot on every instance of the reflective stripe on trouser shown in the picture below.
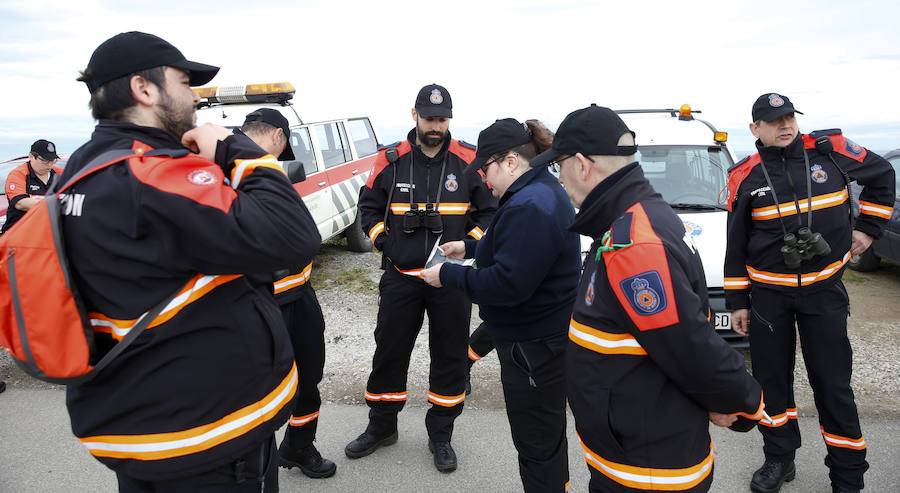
(480, 343)
(534, 389)
(403, 303)
(822, 325)
(306, 328)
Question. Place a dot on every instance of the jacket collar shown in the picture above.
(610, 199)
(775, 153)
(534, 174)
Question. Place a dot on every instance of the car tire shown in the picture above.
(866, 262)
(357, 240)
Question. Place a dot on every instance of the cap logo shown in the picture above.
(436, 96)
(775, 100)
(50, 147)
(201, 177)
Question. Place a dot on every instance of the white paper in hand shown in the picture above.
(437, 257)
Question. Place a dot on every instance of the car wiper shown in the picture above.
(698, 207)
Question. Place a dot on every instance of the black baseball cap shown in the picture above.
(502, 135)
(276, 119)
(45, 149)
(434, 100)
(592, 131)
(127, 53)
(772, 106)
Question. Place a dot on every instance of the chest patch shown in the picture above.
(201, 177)
(451, 184)
(818, 174)
(645, 292)
(12, 186)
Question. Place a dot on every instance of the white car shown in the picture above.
(687, 160)
(335, 155)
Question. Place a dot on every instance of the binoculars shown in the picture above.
(803, 246)
(416, 218)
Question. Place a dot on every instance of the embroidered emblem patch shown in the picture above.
(817, 174)
(436, 97)
(775, 100)
(645, 292)
(589, 292)
(451, 184)
(201, 177)
(853, 148)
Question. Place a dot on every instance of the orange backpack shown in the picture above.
(44, 323)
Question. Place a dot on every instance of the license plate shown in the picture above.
(722, 321)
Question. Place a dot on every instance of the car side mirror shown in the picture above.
(295, 171)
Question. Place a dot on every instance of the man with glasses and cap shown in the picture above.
(303, 318)
(783, 265)
(420, 191)
(646, 371)
(194, 402)
(27, 184)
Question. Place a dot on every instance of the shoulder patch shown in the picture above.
(465, 152)
(188, 177)
(395, 144)
(737, 174)
(645, 292)
(829, 131)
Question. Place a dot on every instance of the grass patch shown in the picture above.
(854, 277)
(353, 279)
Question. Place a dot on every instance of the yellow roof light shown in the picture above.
(684, 111)
(277, 92)
(721, 136)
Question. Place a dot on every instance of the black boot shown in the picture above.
(840, 488)
(2, 386)
(772, 474)
(308, 459)
(444, 456)
(369, 441)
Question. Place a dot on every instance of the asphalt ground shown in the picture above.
(38, 453)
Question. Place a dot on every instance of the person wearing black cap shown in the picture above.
(420, 191)
(27, 184)
(528, 269)
(784, 264)
(303, 318)
(194, 402)
(645, 370)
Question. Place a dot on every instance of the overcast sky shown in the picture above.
(839, 61)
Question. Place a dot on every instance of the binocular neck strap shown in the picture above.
(796, 204)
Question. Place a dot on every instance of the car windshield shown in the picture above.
(687, 176)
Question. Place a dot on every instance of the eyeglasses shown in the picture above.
(45, 161)
(555, 165)
(497, 159)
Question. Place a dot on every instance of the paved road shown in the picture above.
(39, 454)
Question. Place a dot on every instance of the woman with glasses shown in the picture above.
(528, 265)
(27, 184)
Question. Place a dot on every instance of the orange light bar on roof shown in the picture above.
(276, 92)
(685, 110)
(721, 136)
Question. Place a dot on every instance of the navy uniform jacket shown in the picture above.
(756, 234)
(645, 365)
(213, 376)
(466, 205)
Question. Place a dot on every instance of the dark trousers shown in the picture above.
(480, 343)
(402, 306)
(255, 472)
(534, 387)
(306, 327)
(821, 321)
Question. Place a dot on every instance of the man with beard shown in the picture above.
(193, 403)
(420, 192)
